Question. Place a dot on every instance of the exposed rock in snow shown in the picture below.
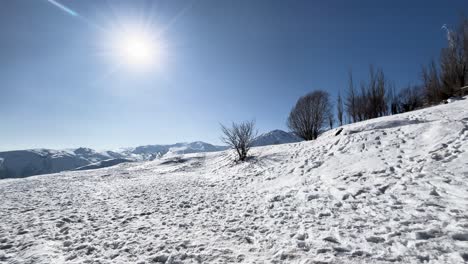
(285, 205)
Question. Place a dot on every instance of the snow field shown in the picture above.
(388, 190)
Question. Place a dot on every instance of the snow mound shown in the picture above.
(388, 190)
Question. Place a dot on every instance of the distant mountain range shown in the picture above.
(276, 137)
(24, 163)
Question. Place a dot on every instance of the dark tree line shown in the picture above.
(378, 97)
(370, 100)
(373, 98)
(407, 99)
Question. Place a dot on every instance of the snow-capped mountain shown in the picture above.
(150, 152)
(103, 164)
(23, 163)
(387, 190)
(193, 147)
(276, 137)
(95, 156)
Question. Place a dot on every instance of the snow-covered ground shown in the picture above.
(388, 190)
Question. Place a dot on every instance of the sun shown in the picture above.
(137, 49)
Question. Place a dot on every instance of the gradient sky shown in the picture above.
(226, 61)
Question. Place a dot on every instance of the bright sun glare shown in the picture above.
(137, 49)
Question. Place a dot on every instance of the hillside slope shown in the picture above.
(388, 190)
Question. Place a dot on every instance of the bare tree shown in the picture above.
(431, 84)
(376, 94)
(309, 116)
(372, 99)
(331, 120)
(240, 137)
(351, 100)
(339, 109)
(410, 98)
(394, 101)
(454, 60)
(362, 103)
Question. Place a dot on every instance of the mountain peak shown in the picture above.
(275, 137)
(84, 151)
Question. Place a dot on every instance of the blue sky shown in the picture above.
(225, 61)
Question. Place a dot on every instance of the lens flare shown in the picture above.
(64, 8)
(132, 41)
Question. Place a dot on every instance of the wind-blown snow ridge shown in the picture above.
(388, 190)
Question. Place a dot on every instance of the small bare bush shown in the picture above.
(240, 137)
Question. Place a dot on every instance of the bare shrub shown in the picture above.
(240, 137)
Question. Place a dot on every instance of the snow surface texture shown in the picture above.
(388, 190)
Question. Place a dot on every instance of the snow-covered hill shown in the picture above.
(103, 164)
(151, 151)
(24, 163)
(276, 137)
(388, 190)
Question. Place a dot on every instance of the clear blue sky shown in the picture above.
(226, 61)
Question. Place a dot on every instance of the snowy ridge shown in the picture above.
(276, 137)
(23, 163)
(103, 164)
(193, 147)
(388, 190)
